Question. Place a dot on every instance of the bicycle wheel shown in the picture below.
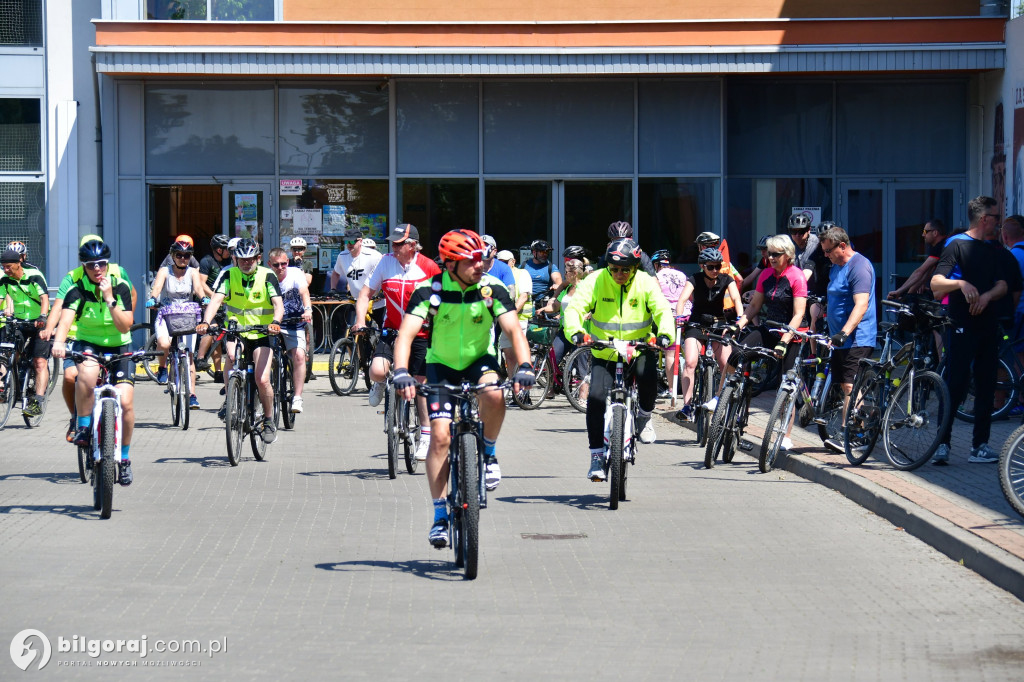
(830, 414)
(365, 358)
(1005, 395)
(150, 366)
(1011, 470)
(235, 418)
(28, 391)
(615, 445)
(719, 425)
(108, 459)
(531, 398)
(576, 378)
(737, 424)
(778, 423)
(343, 367)
(918, 413)
(56, 372)
(173, 387)
(469, 492)
(287, 392)
(184, 389)
(84, 465)
(391, 428)
(259, 447)
(703, 416)
(864, 417)
(409, 424)
(6, 390)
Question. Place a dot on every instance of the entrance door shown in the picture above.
(885, 220)
(588, 207)
(249, 212)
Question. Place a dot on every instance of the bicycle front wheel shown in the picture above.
(173, 388)
(256, 442)
(918, 413)
(29, 392)
(864, 417)
(56, 372)
(531, 398)
(343, 367)
(469, 492)
(719, 425)
(1005, 394)
(707, 389)
(235, 418)
(391, 428)
(409, 426)
(108, 460)
(6, 390)
(1011, 470)
(615, 453)
(778, 424)
(735, 425)
(830, 414)
(84, 464)
(287, 392)
(576, 378)
(184, 389)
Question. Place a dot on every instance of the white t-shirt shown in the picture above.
(291, 295)
(358, 270)
(398, 282)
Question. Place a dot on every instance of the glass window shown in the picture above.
(437, 127)
(23, 218)
(680, 129)
(20, 142)
(589, 207)
(178, 10)
(558, 127)
(673, 211)
(21, 23)
(436, 206)
(516, 213)
(760, 207)
(779, 128)
(913, 208)
(921, 129)
(210, 131)
(341, 130)
(217, 10)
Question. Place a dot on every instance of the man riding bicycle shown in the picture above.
(297, 304)
(23, 291)
(626, 305)
(251, 294)
(460, 304)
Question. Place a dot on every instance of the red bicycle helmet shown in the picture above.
(461, 245)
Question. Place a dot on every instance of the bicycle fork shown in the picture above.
(102, 396)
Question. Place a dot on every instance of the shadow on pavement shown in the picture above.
(82, 512)
(363, 474)
(578, 501)
(58, 477)
(210, 461)
(432, 570)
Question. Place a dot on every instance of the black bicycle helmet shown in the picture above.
(219, 241)
(623, 252)
(825, 226)
(762, 243)
(539, 245)
(709, 256)
(620, 230)
(94, 249)
(661, 256)
(247, 248)
(707, 238)
(798, 222)
(577, 252)
(181, 247)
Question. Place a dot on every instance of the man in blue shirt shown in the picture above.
(496, 268)
(544, 275)
(852, 320)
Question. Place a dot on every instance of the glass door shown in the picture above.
(587, 208)
(517, 212)
(249, 212)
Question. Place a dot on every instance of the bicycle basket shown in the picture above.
(541, 335)
(181, 320)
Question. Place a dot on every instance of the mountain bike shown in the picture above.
(105, 443)
(283, 377)
(1011, 469)
(705, 377)
(18, 383)
(541, 336)
(402, 427)
(467, 494)
(350, 356)
(244, 413)
(576, 377)
(181, 323)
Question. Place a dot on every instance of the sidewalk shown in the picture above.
(957, 509)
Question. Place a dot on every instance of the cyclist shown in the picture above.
(522, 296)
(180, 283)
(543, 274)
(623, 230)
(672, 283)
(100, 303)
(168, 260)
(23, 291)
(625, 304)
(810, 259)
(296, 301)
(708, 291)
(355, 266)
(210, 267)
(460, 304)
(934, 235)
(575, 272)
(246, 290)
(750, 278)
(298, 248)
(496, 268)
(22, 251)
(397, 275)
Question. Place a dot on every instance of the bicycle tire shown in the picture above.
(287, 392)
(736, 432)
(235, 418)
(764, 373)
(56, 371)
(412, 427)
(924, 414)
(718, 427)
(7, 390)
(615, 459)
(775, 431)
(703, 415)
(469, 486)
(343, 367)
(1011, 470)
(173, 386)
(863, 418)
(83, 464)
(391, 429)
(30, 390)
(150, 366)
(184, 390)
(108, 459)
(832, 414)
(576, 378)
(259, 448)
(1004, 383)
(532, 398)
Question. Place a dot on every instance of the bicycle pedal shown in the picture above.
(819, 420)
(380, 411)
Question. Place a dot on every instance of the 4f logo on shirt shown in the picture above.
(355, 273)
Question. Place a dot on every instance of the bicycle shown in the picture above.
(350, 356)
(541, 336)
(402, 427)
(467, 494)
(893, 398)
(1011, 469)
(101, 463)
(704, 378)
(181, 322)
(283, 378)
(576, 377)
(18, 383)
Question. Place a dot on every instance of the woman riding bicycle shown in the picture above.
(708, 289)
(176, 289)
(574, 274)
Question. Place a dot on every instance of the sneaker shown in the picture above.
(711, 404)
(202, 365)
(596, 472)
(422, 448)
(72, 428)
(983, 454)
(224, 391)
(222, 413)
(268, 432)
(193, 402)
(82, 437)
(787, 444)
(835, 445)
(125, 477)
(376, 393)
(1017, 410)
(685, 414)
(438, 535)
(34, 408)
(941, 456)
(161, 376)
(492, 473)
(647, 433)
(297, 405)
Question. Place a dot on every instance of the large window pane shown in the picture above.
(210, 131)
(589, 207)
(779, 128)
(922, 128)
(438, 127)
(243, 10)
(21, 23)
(558, 127)
(341, 130)
(673, 211)
(23, 218)
(516, 213)
(20, 141)
(759, 207)
(680, 129)
(177, 10)
(913, 208)
(436, 206)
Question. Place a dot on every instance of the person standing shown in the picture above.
(985, 277)
(355, 265)
(934, 235)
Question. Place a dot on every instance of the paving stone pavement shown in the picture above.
(315, 564)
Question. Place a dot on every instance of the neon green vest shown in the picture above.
(252, 306)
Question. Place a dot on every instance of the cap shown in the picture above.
(353, 233)
(505, 255)
(402, 232)
(10, 256)
(89, 238)
(489, 240)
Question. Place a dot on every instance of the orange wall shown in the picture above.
(615, 10)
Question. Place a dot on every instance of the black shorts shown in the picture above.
(252, 344)
(121, 373)
(439, 404)
(35, 347)
(845, 363)
(417, 354)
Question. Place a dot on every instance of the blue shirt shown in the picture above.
(540, 275)
(1018, 252)
(856, 277)
(503, 272)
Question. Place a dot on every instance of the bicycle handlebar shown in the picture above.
(820, 338)
(463, 390)
(107, 360)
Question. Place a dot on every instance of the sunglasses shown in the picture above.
(712, 266)
(773, 254)
(353, 242)
(96, 264)
(829, 251)
(279, 265)
(619, 269)
(183, 256)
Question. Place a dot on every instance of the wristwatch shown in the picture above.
(112, 303)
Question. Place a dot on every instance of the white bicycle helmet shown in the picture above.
(297, 242)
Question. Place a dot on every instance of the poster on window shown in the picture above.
(335, 222)
(327, 258)
(373, 225)
(812, 212)
(291, 187)
(307, 221)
